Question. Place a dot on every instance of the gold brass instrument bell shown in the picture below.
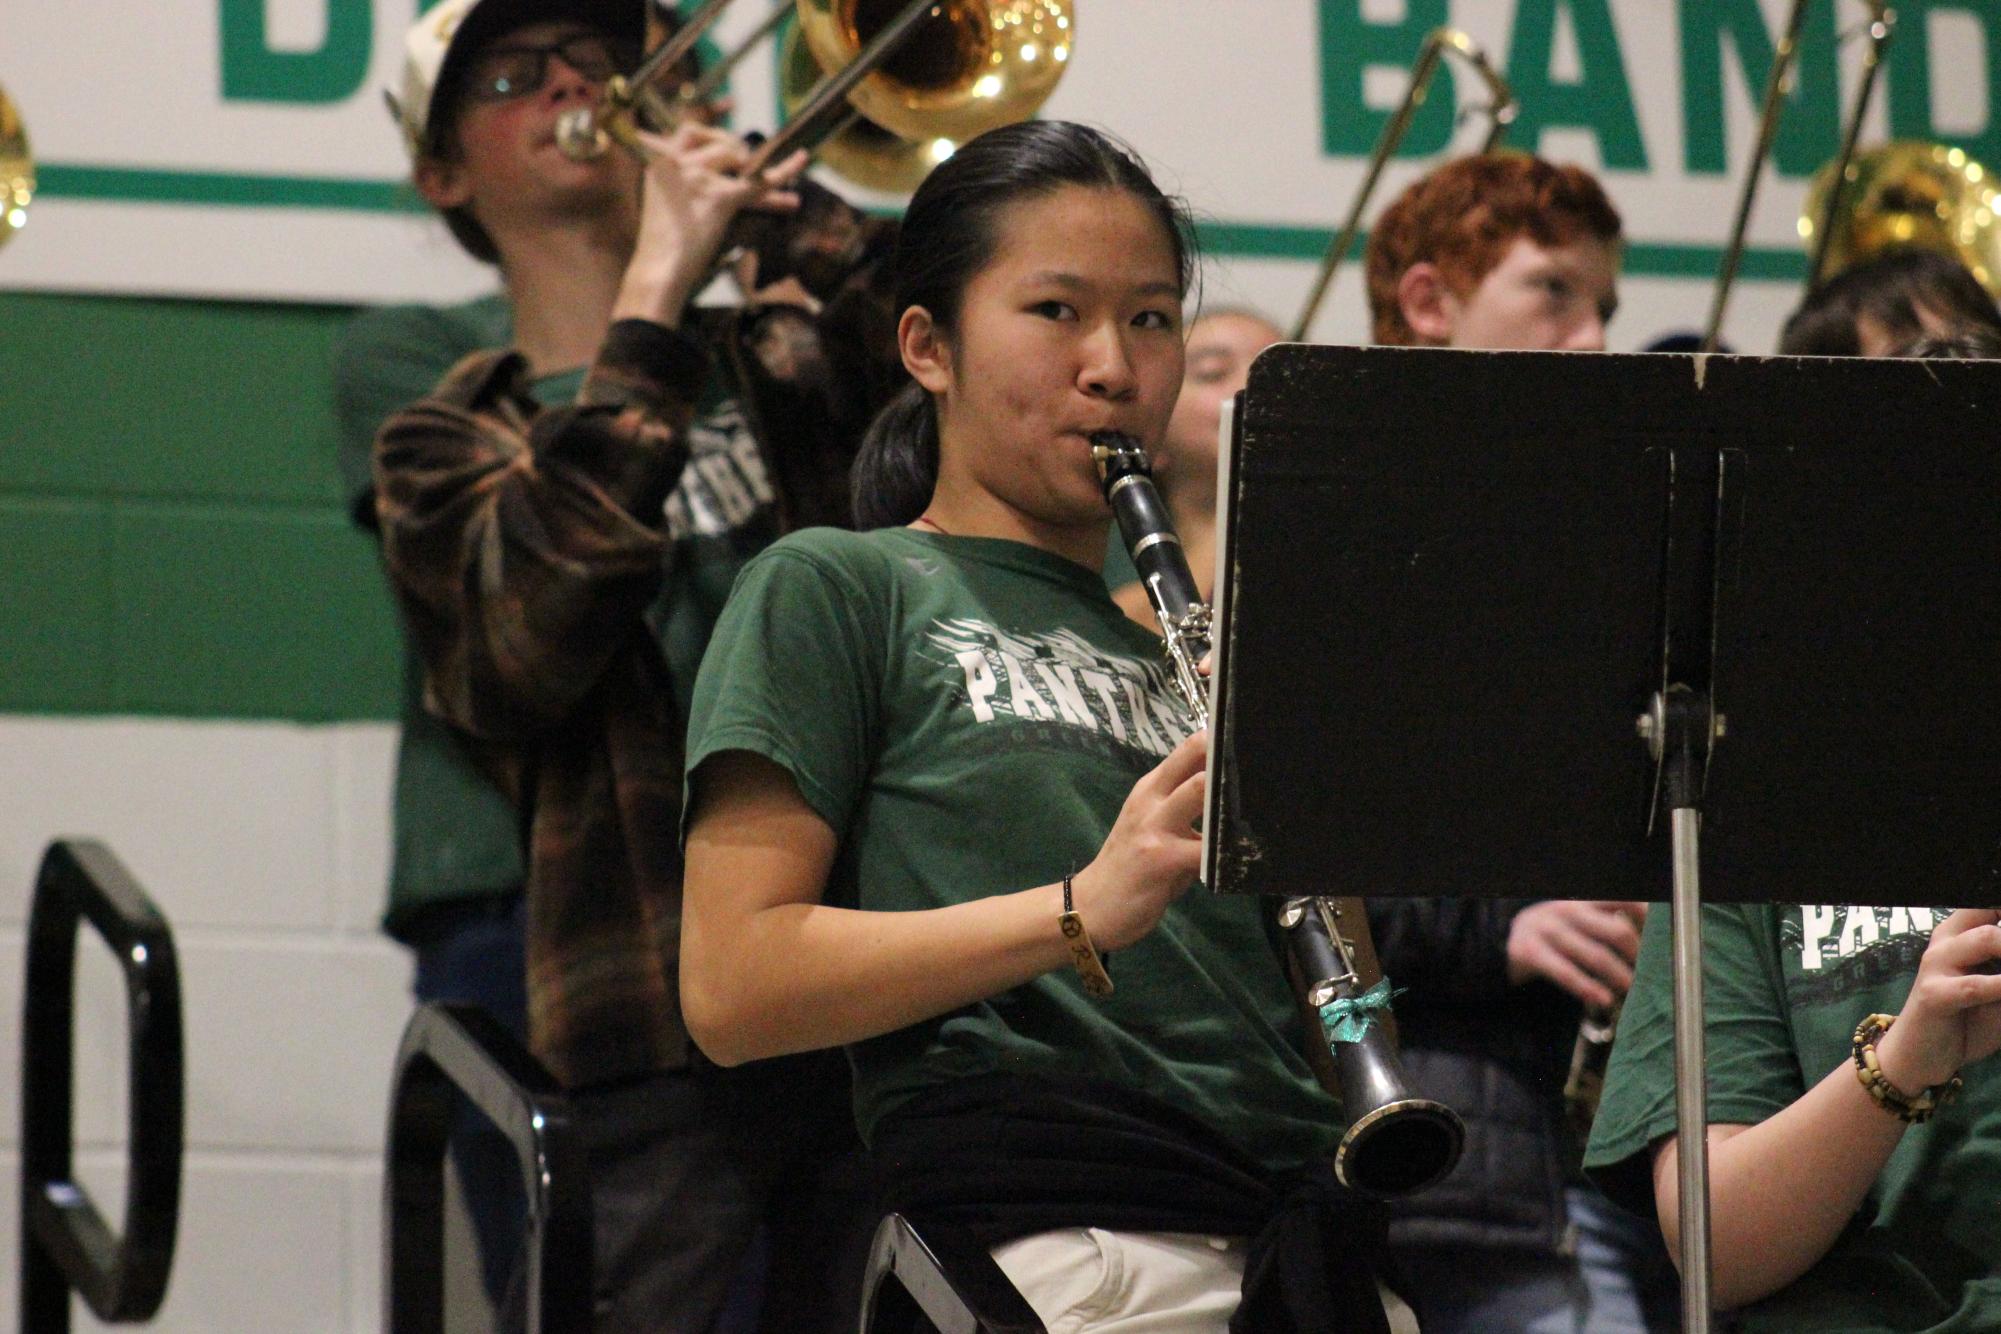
(975, 65)
(932, 72)
(1907, 193)
(860, 151)
(17, 170)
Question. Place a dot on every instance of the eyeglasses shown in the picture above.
(503, 72)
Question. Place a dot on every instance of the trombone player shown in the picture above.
(559, 516)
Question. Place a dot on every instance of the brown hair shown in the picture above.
(1464, 216)
(1896, 290)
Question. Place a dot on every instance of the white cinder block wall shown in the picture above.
(265, 844)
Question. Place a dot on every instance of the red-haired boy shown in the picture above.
(1502, 250)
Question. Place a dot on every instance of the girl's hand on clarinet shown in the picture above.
(1953, 1014)
(692, 188)
(1152, 855)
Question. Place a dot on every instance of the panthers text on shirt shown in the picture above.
(1830, 932)
(1060, 678)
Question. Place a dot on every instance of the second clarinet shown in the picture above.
(1396, 1142)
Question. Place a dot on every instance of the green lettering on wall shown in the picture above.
(1908, 78)
(1349, 45)
(1599, 100)
(253, 72)
(1809, 130)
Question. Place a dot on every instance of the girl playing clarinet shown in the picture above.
(942, 802)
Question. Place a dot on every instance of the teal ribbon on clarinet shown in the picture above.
(1349, 1018)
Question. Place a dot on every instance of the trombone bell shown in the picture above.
(861, 151)
(1910, 193)
(972, 66)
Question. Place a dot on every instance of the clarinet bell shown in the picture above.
(1399, 1143)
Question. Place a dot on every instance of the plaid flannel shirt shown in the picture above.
(524, 545)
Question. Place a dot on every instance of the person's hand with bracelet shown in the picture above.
(1952, 1017)
(1151, 857)
(1783, 1189)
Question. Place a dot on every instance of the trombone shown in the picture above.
(1438, 44)
(937, 69)
(857, 149)
(1881, 27)
(17, 170)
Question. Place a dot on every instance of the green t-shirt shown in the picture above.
(1119, 567)
(455, 835)
(1784, 987)
(723, 511)
(969, 715)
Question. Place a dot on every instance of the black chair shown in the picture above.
(451, 1050)
(65, 1243)
(943, 1277)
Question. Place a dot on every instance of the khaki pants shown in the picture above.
(1080, 1279)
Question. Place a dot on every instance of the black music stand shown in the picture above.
(1481, 616)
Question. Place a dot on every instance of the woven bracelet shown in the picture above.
(1916, 1109)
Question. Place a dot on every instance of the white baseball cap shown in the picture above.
(444, 36)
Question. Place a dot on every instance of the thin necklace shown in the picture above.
(927, 519)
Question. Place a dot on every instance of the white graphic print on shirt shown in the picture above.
(1847, 948)
(725, 481)
(1831, 932)
(1059, 678)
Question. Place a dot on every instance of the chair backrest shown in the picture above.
(943, 1275)
(451, 1050)
(65, 1243)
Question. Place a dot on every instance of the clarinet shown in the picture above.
(1396, 1143)
(1588, 1059)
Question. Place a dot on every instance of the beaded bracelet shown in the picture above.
(1915, 1110)
(1090, 965)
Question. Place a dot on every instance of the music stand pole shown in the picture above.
(1679, 730)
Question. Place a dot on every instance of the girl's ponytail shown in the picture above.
(897, 468)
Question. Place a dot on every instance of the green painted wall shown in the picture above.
(171, 535)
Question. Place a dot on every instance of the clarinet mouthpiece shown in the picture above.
(1115, 451)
